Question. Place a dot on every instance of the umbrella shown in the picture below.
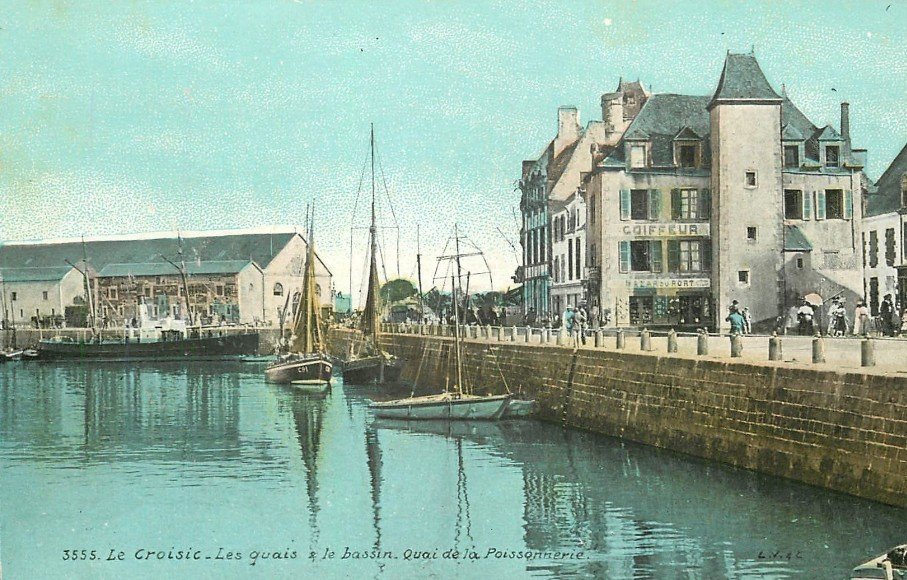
(813, 299)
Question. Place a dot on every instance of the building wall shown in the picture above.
(287, 268)
(567, 284)
(883, 276)
(30, 300)
(609, 230)
(746, 137)
(836, 258)
(839, 431)
(252, 290)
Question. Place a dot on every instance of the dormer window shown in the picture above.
(638, 155)
(792, 156)
(686, 155)
(832, 155)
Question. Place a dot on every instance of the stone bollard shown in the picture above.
(546, 336)
(598, 338)
(645, 340)
(702, 343)
(867, 353)
(560, 337)
(621, 339)
(489, 331)
(736, 346)
(513, 334)
(672, 341)
(501, 334)
(774, 347)
(528, 336)
(818, 349)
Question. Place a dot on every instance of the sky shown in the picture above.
(131, 116)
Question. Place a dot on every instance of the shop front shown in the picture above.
(680, 303)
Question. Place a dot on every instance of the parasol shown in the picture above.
(813, 299)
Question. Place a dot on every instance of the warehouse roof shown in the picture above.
(34, 274)
(259, 247)
(887, 195)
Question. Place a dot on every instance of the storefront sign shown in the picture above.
(668, 283)
(666, 230)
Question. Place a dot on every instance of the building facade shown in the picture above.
(234, 277)
(556, 175)
(884, 231)
(733, 197)
(568, 250)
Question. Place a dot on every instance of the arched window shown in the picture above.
(278, 289)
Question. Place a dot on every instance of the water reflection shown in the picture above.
(228, 449)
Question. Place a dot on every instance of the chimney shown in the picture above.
(845, 126)
(568, 128)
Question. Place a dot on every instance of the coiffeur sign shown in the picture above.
(650, 230)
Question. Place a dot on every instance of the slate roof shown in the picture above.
(660, 120)
(795, 240)
(258, 247)
(743, 79)
(887, 197)
(167, 269)
(53, 274)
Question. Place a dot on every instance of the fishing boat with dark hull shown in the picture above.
(165, 348)
(305, 363)
(372, 369)
(310, 369)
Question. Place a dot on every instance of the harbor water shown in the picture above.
(205, 471)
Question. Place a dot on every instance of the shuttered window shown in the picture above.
(624, 204)
(820, 204)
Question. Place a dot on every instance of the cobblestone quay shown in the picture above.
(845, 431)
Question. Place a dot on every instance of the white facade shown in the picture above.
(568, 253)
(26, 300)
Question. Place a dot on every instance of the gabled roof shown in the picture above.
(167, 269)
(790, 133)
(661, 119)
(686, 134)
(743, 80)
(828, 134)
(54, 274)
(557, 166)
(257, 247)
(887, 197)
(795, 240)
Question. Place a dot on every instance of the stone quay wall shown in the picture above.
(840, 430)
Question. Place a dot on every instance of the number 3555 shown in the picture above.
(80, 555)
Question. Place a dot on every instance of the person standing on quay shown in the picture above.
(579, 324)
(805, 318)
(736, 319)
(747, 321)
(861, 319)
(885, 311)
(569, 317)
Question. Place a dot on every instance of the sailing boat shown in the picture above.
(367, 363)
(461, 404)
(306, 364)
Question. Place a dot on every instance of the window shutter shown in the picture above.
(624, 204)
(675, 204)
(673, 255)
(807, 206)
(655, 253)
(820, 204)
(705, 204)
(848, 204)
(705, 251)
(625, 256)
(654, 204)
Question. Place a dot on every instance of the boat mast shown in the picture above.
(456, 311)
(373, 249)
(453, 289)
(419, 274)
(91, 305)
(184, 278)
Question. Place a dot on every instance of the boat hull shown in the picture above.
(444, 407)
(518, 408)
(367, 370)
(203, 348)
(311, 373)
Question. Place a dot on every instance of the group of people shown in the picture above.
(576, 321)
(804, 318)
(740, 318)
